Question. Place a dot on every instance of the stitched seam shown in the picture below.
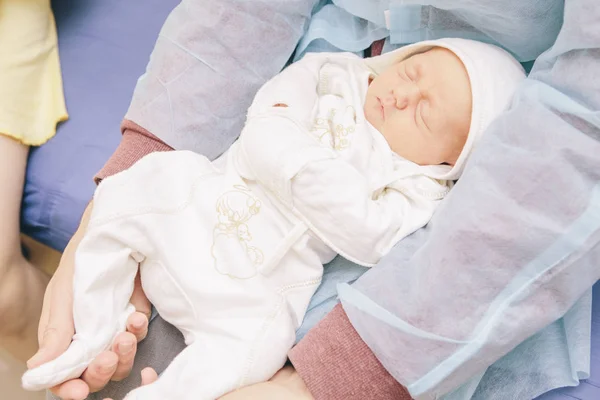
(268, 322)
(287, 288)
(261, 333)
(178, 287)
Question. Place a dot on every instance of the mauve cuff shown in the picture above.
(135, 144)
(377, 47)
(336, 364)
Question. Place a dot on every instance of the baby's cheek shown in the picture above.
(394, 139)
(371, 117)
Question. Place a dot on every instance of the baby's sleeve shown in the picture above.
(334, 199)
(296, 87)
(326, 192)
(158, 181)
(273, 148)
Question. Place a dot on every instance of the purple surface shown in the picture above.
(104, 47)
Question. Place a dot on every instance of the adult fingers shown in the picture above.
(137, 324)
(45, 315)
(125, 346)
(139, 299)
(56, 330)
(75, 389)
(57, 309)
(100, 370)
(149, 376)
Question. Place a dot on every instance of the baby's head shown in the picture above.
(433, 100)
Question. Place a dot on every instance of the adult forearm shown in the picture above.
(208, 63)
(67, 261)
(335, 363)
(135, 144)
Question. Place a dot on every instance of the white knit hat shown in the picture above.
(494, 76)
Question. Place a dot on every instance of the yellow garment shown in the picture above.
(31, 92)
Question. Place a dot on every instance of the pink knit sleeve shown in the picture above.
(135, 144)
(336, 364)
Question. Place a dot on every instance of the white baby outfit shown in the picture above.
(231, 251)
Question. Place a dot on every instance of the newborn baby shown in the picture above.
(339, 155)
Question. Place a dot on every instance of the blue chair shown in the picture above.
(104, 47)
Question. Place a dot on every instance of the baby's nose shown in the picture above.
(406, 96)
(389, 100)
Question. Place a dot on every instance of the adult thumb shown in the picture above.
(56, 336)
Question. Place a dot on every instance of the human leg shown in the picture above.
(21, 284)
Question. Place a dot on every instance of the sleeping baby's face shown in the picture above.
(422, 106)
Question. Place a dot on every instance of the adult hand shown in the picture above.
(286, 384)
(56, 329)
(148, 376)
